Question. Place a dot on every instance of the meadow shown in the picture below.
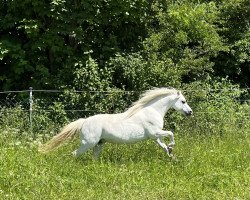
(205, 167)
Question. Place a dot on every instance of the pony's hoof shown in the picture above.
(74, 153)
(170, 150)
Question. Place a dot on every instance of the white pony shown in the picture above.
(144, 120)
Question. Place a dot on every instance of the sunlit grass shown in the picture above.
(211, 167)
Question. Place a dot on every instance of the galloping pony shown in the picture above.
(143, 120)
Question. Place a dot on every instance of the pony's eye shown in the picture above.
(183, 102)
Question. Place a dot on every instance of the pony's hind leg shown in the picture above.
(97, 149)
(85, 146)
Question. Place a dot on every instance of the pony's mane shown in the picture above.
(147, 97)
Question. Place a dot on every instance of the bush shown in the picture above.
(217, 109)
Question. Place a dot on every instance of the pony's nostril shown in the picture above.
(189, 113)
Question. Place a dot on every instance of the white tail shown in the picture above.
(68, 131)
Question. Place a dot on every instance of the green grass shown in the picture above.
(207, 167)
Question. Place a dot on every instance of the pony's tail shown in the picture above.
(68, 132)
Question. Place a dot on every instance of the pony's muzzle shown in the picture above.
(189, 113)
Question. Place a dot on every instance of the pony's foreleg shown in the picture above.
(164, 146)
(168, 148)
(171, 137)
(169, 134)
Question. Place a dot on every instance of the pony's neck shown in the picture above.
(164, 104)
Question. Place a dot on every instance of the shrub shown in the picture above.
(217, 109)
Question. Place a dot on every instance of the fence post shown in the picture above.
(30, 110)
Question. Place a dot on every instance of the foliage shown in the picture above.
(185, 39)
(139, 44)
(218, 108)
(17, 121)
(10, 120)
(89, 77)
(235, 15)
(131, 71)
(42, 41)
(92, 90)
(137, 73)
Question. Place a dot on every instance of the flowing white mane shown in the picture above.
(147, 97)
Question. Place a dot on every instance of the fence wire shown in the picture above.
(33, 107)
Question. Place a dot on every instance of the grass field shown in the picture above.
(206, 167)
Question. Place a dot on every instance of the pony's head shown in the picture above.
(181, 105)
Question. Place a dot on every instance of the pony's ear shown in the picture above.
(178, 94)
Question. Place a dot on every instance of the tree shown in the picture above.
(184, 38)
(234, 63)
(41, 41)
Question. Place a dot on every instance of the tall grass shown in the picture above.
(211, 167)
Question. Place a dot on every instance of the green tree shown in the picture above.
(234, 63)
(183, 40)
(41, 41)
(186, 36)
